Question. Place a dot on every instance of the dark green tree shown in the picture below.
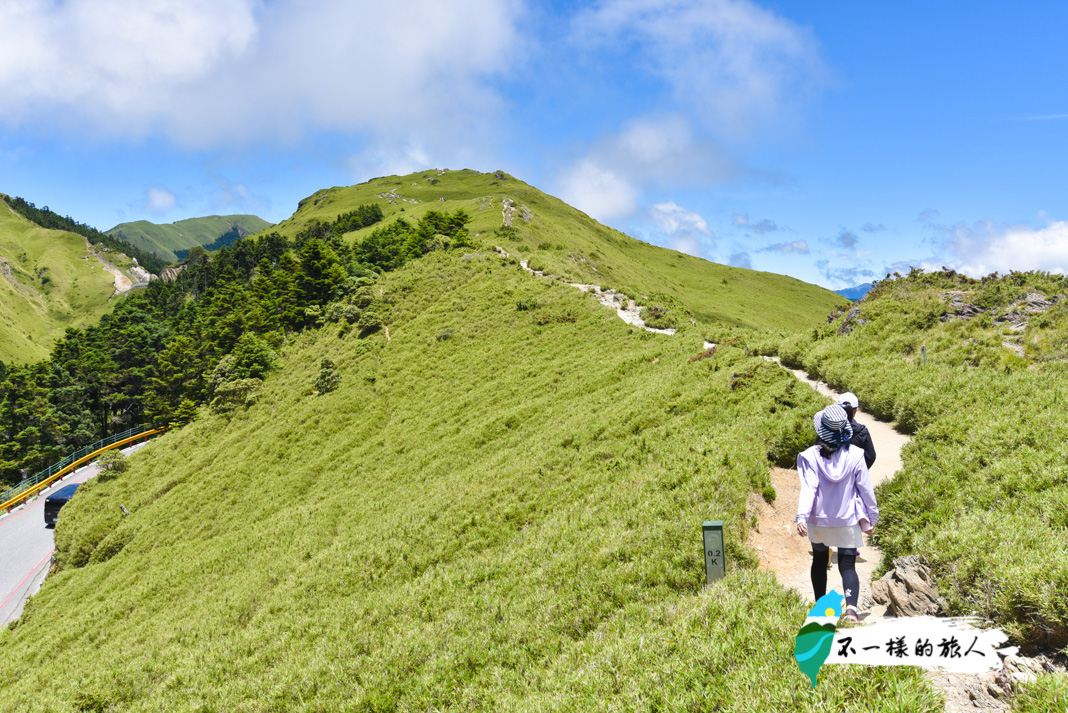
(320, 273)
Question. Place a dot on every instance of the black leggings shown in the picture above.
(847, 567)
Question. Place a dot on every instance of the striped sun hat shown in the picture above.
(832, 426)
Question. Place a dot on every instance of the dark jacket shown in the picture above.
(862, 439)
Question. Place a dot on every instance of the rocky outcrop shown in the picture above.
(1024, 308)
(852, 318)
(908, 589)
(140, 274)
(170, 274)
(1015, 318)
(509, 210)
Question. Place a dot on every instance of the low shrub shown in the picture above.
(329, 378)
(112, 463)
(658, 317)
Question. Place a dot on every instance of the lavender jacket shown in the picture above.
(835, 491)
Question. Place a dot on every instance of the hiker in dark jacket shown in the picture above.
(861, 438)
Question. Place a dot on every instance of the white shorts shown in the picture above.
(845, 536)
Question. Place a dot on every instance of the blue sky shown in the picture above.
(830, 141)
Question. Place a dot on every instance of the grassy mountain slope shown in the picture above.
(498, 509)
(49, 280)
(163, 240)
(557, 238)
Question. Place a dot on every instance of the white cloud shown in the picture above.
(904, 266)
(204, 71)
(112, 59)
(647, 152)
(729, 68)
(160, 200)
(600, 192)
(734, 64)
(740, 219)
(664, 149)
(984, 248)
(844, 275)
(685, 230)
(673, 218)
(396, 160)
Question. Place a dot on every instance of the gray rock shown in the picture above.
(1035, 302)
(908, 589)
(851, 315)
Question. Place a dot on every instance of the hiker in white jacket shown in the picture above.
(837, 504)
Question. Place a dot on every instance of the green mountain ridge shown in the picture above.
(49, 280)
(460, 486)
(496, 509)
(559, 239)
(168, 239)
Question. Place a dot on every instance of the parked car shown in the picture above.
(57, 500)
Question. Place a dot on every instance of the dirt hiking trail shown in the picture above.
(783, 551)
(788, 555)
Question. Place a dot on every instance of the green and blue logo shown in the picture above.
(813, 643)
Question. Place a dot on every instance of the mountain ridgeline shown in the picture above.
(171, 242)
(54, 221)
(206, 333)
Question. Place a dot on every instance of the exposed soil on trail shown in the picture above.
(625, 308)
(788, 555)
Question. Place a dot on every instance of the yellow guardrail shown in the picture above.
(30, 492)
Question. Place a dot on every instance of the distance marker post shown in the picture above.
(715, 556)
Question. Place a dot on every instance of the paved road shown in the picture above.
(26, 546)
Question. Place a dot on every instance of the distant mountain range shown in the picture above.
(172, 241)
(855, 292)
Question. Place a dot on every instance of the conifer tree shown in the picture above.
(320, 273)
(27, 422)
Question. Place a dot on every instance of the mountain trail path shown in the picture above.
(787, 554)
(782, 551)
(625, 308)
